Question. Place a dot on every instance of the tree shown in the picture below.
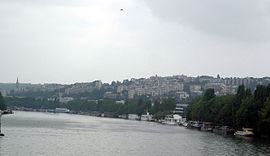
(264, 122)
(209, 94)
(224, 113)
(268, 90)
(161, 109)
(193, 108)
(161, 115)
(169, 104)
(260, 96)
(247, 116)
(242, 93)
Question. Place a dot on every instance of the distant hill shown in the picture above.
(11, 86)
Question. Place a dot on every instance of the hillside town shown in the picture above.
(181, 87)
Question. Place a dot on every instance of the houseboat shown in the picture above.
(207, 126)
(223, 130)
(62, 110)
(146, 117)
(172, 120)
(133, 117)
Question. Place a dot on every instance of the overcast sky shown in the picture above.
(67, 41)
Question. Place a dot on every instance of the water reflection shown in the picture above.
(29, 133)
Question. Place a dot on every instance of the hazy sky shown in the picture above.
(67, 41)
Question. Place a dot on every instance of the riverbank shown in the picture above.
(8, 111)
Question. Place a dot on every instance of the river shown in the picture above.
(34, 133)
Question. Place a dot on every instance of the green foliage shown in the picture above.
(106, 105)
(264, 118)
(209, 94)
(161, 109)
(240, 110)
(241, 94)
(35, 94)
(94, 95)
(212, 110)
(3, 105)
(31, 103)
(109, 105)
(223, 110)
(246, 116)
(82, 105)
(193, 108)
(161, 115)
(260, 95)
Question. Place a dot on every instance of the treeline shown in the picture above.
(33, 103)
(3, 105)
(136, 106)
(109, 105)
(35, 94)
(244, 109)
(95, 94)
(140, 106)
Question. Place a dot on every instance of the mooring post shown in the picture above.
(1, 134)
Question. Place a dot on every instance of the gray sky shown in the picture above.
(67, 41)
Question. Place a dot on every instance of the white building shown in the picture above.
(131, 94)
(120, 102)
(182, 95)
(3, 92)
(195, 88)
(65, 99)
(180, 109)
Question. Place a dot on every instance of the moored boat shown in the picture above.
(185, 124)
(223, 130)
(247, 132)
(194, 124)
(173, 120)
(207, 126)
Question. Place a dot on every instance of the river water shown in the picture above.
(33, 133)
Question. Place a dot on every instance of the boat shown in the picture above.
(133, 117)
(207, 126)
(62, 110)
(247, 132)
(8, 111)
(185, 124)
(194, 125)
(172, 120)
(223, 130)
(146, 117)
(169, 120)
(197, 125)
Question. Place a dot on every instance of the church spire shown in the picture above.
(17, 83)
